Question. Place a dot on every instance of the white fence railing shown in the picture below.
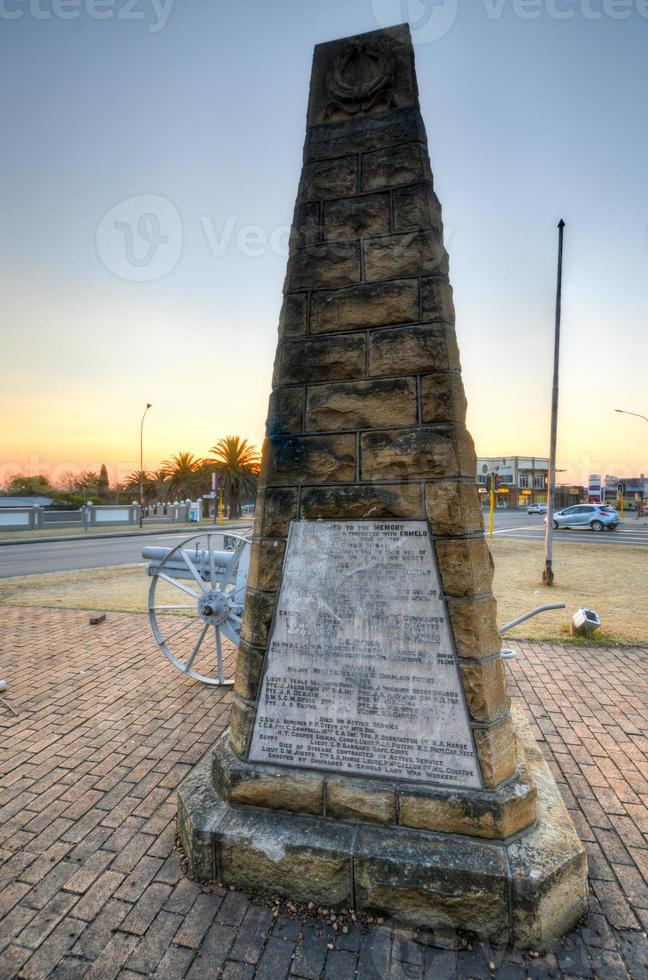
(91, 516)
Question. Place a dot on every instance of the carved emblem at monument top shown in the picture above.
(361, 75)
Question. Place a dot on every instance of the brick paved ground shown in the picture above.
(90, 884)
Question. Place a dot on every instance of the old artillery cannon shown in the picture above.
(216, 563)
(209, 570)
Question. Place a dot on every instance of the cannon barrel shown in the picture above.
(157, 554)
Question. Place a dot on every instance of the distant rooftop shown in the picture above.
(25, 501)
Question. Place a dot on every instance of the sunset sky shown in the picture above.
(195, 112)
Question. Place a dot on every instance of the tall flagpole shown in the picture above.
(547, 574)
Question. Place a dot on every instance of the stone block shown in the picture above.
(322, 266)
(257, 617)
(401, 501)
(366, 305)
(549, 866)
(361, 405)
(436, 300)
(484, 684)
(496, 752)
(408, 350)
(453, 508)
(395, 256)
(395, 165)
(310, 459)
(360, 799)
(361, 135)
(282, 854)
(329, 179)
(265, 564)
(466, 566)
(244, 783)
(241, 722)
(442, 397)
(474, 626)
(249, 664)
(285, 411)
(275, 509)
(411, 454)
(490, 814)
(200, 813)
(293, 319)
(417, 207)
(339, 65)
(356, 217)
(433, 882)
(307, 225)
(339, 358)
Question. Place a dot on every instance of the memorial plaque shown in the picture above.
(361, 673)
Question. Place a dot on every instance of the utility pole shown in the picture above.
(141, 488)
(547, 574)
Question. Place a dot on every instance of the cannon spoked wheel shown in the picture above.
(201, 581)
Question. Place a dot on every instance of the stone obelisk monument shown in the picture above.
(373, 759)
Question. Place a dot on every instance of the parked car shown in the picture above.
(597, 517)
(537, 509)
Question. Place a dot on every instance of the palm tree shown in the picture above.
(131, 485)
(237, 463)
(181, 472)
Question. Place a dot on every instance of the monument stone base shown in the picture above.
(339, 841)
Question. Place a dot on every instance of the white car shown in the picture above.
(537, 509)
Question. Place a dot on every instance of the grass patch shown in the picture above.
(612, 579)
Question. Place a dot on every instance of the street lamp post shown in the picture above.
(141, 513)
(637, 415)
(547, 574)
(622, 411)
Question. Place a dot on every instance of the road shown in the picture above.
(63, 556)
(530, 527)
(59, 556)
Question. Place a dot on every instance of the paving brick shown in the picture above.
(153, 945)
(234, 907)
(98, 933)
(90, 791)
(275, 961)
(145, 909)
(39, 928)
(174, 964)
(46, 957)
(340, 965)
(198, 920)
(113, 956)
(310, 955)
(96, 897)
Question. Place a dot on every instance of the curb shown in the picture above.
(124, 534)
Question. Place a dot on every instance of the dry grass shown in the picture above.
(119, 589)
(613, 579)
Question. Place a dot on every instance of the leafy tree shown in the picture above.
(237, 464)
(87, 480)
(103, 485)
(182, 473)
(29, 486)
